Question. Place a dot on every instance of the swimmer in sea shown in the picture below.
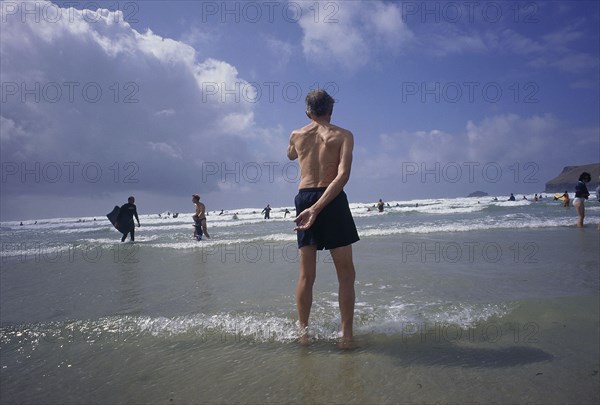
(199, 217)
(566, 200)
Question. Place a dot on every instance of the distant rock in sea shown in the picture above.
(567, 179)
(478, 194)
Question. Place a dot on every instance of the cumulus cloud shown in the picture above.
(349, 34)
(557, 49)
(513, 149)
(506, 137)
(88, 89)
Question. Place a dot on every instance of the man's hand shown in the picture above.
(305, 220)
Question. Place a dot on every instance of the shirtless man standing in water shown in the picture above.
(323, 220)
(200, 216)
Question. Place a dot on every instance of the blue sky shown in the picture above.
(163, 99)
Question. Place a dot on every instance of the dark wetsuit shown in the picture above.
(334, 226)
(125, 220)
(581, 190)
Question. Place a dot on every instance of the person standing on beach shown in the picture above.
(323, 220)
(125, 219)
(581, 194)
(199, 217)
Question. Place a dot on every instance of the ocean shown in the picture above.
(457, 300)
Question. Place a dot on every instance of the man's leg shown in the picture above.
(306, 280)
(204, 228)
(344, 266)
(580, 212)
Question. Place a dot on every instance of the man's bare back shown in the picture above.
(320, 148)
(324, 152)
(200, 210)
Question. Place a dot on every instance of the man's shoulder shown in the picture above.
(342, 131)
(311, 127)
(300, 131)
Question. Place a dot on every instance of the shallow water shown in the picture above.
(490, 302)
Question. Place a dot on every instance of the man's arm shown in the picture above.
(292, 153)
(136, 216)
(309, 215)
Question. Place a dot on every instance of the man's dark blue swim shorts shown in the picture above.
(334, 226)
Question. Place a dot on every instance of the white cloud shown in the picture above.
(237, 124)
(445, 39)
(165, 49)
(562, 38)
(10, 131)
(575, 62)
(166, 112)
(352, 33)
(510, 137)
(124, 97)
(166, 149)
(280, 51)
(513, 42)
(557, 49)
(505, 139)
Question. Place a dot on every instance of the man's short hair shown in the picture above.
(195, 197)
(585, 176)
(319, 103)
(131, 200)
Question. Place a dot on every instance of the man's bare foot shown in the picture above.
(304, 338)
(347, 343)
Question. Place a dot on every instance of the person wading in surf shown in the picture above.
(324, 220)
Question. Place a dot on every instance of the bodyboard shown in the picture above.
(123, 224)
(112, 216)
